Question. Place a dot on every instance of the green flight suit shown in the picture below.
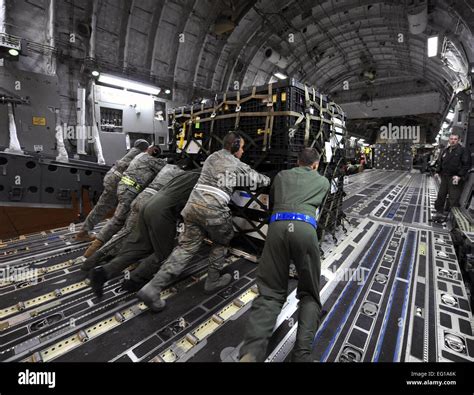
(298, 190)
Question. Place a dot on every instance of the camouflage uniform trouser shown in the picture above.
(143, 273)
(113, 246)
(126, 196)
(105, 204)
(199, 222)
(286, 240)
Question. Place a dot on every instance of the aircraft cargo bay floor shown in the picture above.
(391, 291)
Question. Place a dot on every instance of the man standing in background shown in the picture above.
(453, 167)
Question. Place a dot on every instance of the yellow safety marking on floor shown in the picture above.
(208, 327)
(58, 349)
(101, 327)
(41, 299)
(4, 283)
(422, 249)
(13, 252)
(8, 311)
(205, 329)
(97, 329)
(59, 266)
(229, 311)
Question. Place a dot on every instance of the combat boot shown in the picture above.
(90, 263)
(248, 358)
(98, 278)
(151, 297)
(132, 285)
(83, 235)
(95, 245)
(215, 281)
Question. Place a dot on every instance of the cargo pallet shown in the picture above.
(277, 121)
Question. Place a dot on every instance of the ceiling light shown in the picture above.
(167, 91)
(13, 52)
(450, 116)
(281, 76)
(432, 46)
(127, 84)
(95, 73)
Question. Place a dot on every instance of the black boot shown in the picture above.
(98, 278)
(439, 217)
(92, 262)
(215, 281)
(132, 285)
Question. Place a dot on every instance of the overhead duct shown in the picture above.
(3, 21)
(50, 36)
(418, 19)
(93, 29)
(275, 58)
(3, 16)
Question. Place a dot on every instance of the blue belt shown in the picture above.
(294, 217)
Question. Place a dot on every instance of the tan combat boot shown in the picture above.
(95, 245)
(248, 358)
(83, 235)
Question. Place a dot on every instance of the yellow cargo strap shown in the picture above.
(181, 137)
(131, 183)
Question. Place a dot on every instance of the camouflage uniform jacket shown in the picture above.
(168, 173)
(221, 173)
(122, 164)
(144, 168)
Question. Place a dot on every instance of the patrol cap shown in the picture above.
(141, 144)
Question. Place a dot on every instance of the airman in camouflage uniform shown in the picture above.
(154, 234)
(113, 246)
(207, 214)
(164, 176)
(108, 198)
(141, 171)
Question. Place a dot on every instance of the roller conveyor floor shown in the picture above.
(391, 291)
